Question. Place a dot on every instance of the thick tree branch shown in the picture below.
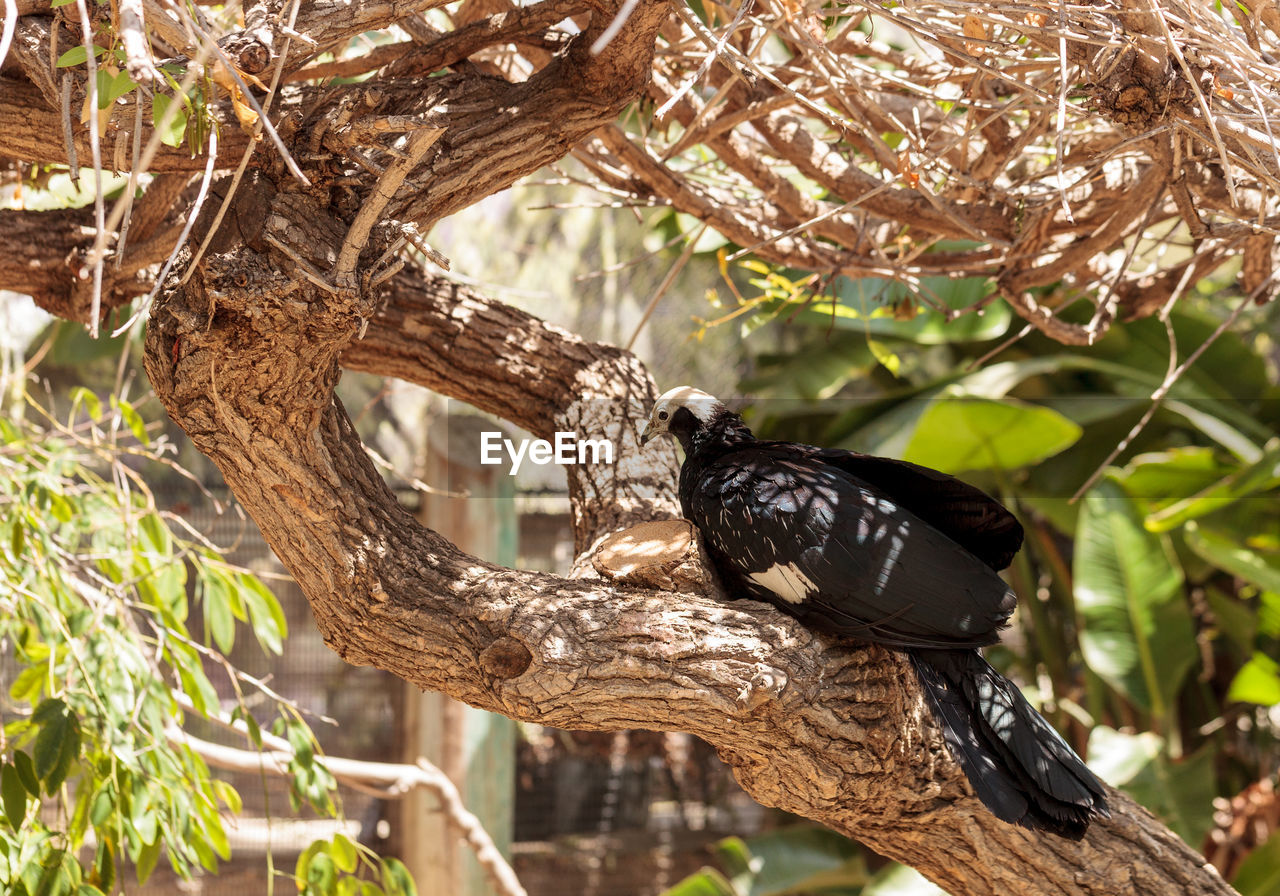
(834, 732)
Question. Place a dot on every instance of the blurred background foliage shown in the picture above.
(1148, 628)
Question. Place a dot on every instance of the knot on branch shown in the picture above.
(662, 555)
(765, 685)
(505, 658)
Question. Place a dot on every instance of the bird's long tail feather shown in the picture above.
(1017, 763)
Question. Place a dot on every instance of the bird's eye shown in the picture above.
(663, 415)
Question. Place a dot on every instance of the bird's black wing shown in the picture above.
(786, 527)
(964, 512)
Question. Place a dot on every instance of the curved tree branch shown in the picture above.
(835, 732)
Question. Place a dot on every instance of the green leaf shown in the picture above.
(300, 739)
(1227, 553)
(396, 878)
(1223, 487)
(954, 435)
(1234, 618)
(104, 804)
(1135, 628)
(322, 875)
(1118, 758)
(899, 880)
(87, 397)
(112, 87)
(132, 419)
(143, 816)
(266, 616)
(887, 358)
(104, 867)
(344, 853)
(229, 796)
(864, 305)
(57, 744)
(707, 882)
(1258, 681)
(796, 859)
(219, 620)
(172, 133)
(26, 772)
(29, 683)
(147, 859)
(1180, 792)
(1259, 873)
(77, 55)
(13, 793)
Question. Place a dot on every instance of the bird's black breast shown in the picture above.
(785, 526)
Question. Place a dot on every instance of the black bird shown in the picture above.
(886, 551)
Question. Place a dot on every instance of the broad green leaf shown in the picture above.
(1135, 629)
(26, 772)
(899, 880)
(1258, 681)
(954, 435)
(266, 616)
(112, 87)
(707, 882)
(219, 619)
(1230, 486)
(1269, 614)
(14, 796)
(77, 55)
(789, 860)
(132, 419)
(147, 859)
(1118, 758)
(87, 397)
(1235, 618)
(1228, 554)
(865, 305)
(1162, 477)
(322, 875)
(396, 878)
(345, 855)
(57, 745)
(1259, 873)
(1181, 793)
(819, 372)
(175, 129)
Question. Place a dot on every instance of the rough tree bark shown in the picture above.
(245, 354)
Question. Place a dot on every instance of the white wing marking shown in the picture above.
(786, 581)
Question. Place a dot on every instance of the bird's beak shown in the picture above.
(647, 433)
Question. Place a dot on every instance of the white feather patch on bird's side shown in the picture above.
(786, 581)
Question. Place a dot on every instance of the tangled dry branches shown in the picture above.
(1107, 155)
(1112, 152)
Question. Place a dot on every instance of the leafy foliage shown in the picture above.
(96, 588)
(1152, 601)
(798, 860)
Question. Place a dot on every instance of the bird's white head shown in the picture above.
(680, 409)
